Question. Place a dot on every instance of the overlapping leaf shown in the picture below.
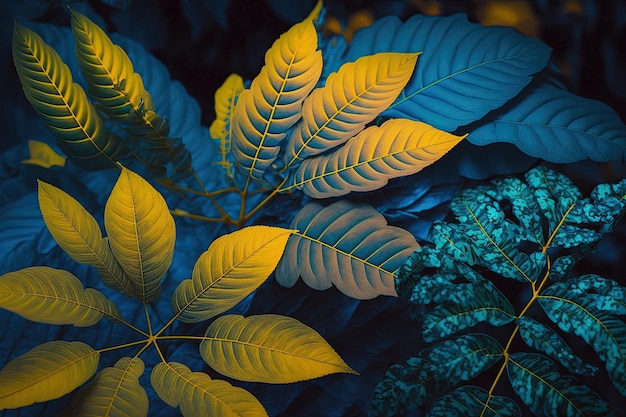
(268, 348)
(221, 128)
(197, 395)
(347, 245)
(471, 401)
(43, 155)
(61, 103)
(352, 97)
(274, 101)
(53, 296)
(230, 269)
(79, 235)
(546, 392)
(113, 392)
(366, 162)
(141, 233)
(466, 70)
(46, 372)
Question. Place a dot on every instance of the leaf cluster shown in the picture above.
(513, 239)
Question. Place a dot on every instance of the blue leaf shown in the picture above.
(466, 70)
(471, 401)
(555, 125)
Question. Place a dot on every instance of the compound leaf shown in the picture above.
(197, 395)
(141, 233)
(347, 245)
(79, 235)
(471, 401)
(366, 162)
(352, 97)
(113, 392)
(46, 372)
(61, 103)
(53, 296)
(546, 392)
(231, 268)
(268, 348)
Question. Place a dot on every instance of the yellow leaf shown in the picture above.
(43, 155)
(352, 97)
(79, 235)
(366, 162)
(53, 296)
(268, 348)
(113, 392)
(46, 372)
(221, 128)
(61, 103)
(273, 103)
(198, 395)
(141, 233)
(231, 268)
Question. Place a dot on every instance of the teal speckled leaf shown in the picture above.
(604, 207)
(544, 339)
(471, 401)
(575, 310)
(546, 392)
(437, 289)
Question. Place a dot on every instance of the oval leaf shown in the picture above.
(268, 348)
(273, 103)
(61, 103)
(198, 395)
(231, 268)
(141, 233)
(351, 98)
(348, 245)
(471, 401)
(221, 129)
(113, 392)
(46, 372)
(366, 162)
(53, 296)
(79, 235)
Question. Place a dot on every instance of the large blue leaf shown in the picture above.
(555, 125)
(465, 71)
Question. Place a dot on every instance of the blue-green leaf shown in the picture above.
(467, 69)
(542, 338)
(604, 207)
(555, 125)
(546, 392)
(471, 401)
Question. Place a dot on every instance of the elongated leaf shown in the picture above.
(351, 98)
(347, 245)
(471, 401)
(54, 296)
(366, 162)
(78, 233)
(268, 348)
(46, 372)
(198, 395)
(221, 128)
(43, 155)
(61, 103)
(119, 92)
(231, 268)
(141, 233)
(542, 338)
(273, 103)
(557, 126)
(466, 69)
(113, 392)
(548, 393)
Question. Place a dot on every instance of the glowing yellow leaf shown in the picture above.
(141, 233)
(53, 296)
(221, 128)
(46, 372)
(79, 235)
(268, 348)
(230, 269)
(198, 395)
(43, 155)
(352, 97)
(113, 392)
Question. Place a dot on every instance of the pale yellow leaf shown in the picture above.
(197, 395)
(268, 348)
(43, 155)
(46, 372)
